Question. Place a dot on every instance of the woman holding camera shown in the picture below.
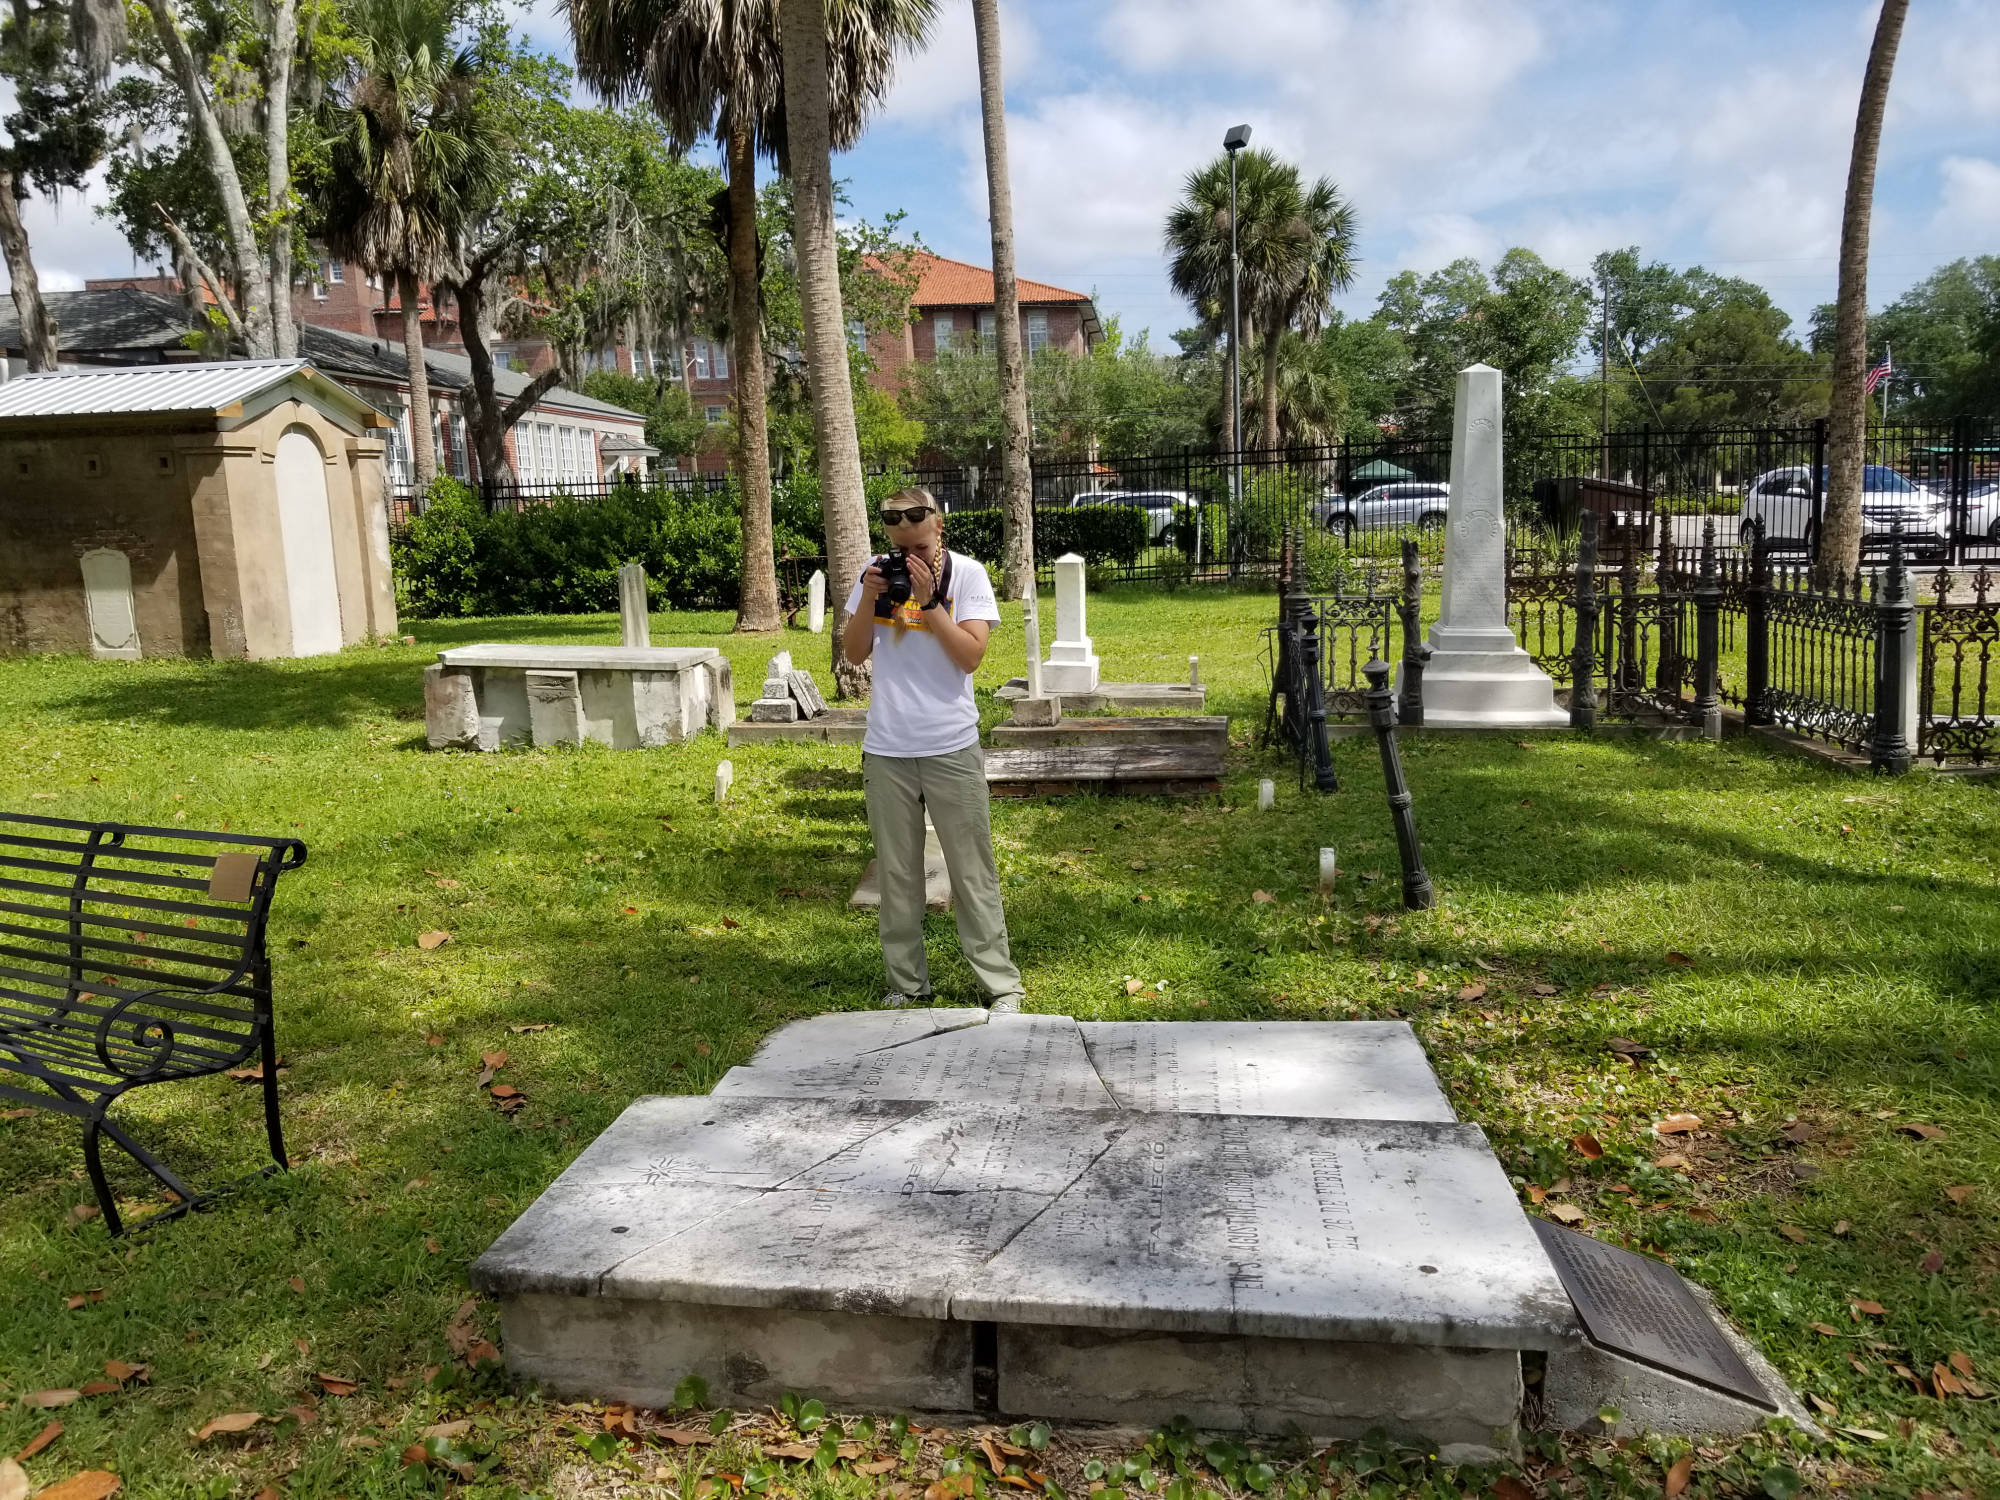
(923, 612)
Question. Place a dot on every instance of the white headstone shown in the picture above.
(1478, 674)
(1072, 666)
(1194, 671)
(1329, 870)
(1031, 620)
(635, 625)
(816, 602)
(1267, 794)
(725, 773)
(107, 594)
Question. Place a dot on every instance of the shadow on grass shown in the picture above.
(322, 693)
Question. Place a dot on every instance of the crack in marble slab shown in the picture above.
(754, 1192)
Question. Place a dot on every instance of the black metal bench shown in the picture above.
(131, 956)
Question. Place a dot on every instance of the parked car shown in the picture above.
(1162, 507)
(1385, 507)
(1982, 509)
(1783, 500)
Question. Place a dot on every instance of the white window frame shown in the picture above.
(718, 360)
(701, 359)
(986, 337)
(715, 416)
(545, 451)
(566, 437)
(336, 273)
(461, 462)
(524, 452)
(1037, 332)
(942, 331)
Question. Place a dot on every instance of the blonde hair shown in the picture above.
(911, 494)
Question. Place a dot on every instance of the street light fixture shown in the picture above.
(1234, 140)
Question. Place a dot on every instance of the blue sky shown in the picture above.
(1704, 132)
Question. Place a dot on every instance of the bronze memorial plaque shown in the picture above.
(1639, 1307)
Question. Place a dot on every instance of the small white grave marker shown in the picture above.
(1194, 671)
(725, 773)
(816, 602)
(635, 626)
(1267, 794)
(1329, 868)
(1072, 666)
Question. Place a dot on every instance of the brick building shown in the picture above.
(952, 308)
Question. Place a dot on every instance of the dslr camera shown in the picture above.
(895, 567)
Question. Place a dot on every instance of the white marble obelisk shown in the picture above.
(1072, 666)
(1478, 675)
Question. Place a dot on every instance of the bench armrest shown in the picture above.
(153, 1034)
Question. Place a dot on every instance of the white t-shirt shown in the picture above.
(922, 703)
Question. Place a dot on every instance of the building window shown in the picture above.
(857, 334)
(717, 415)
(718, 361)
(701, 359)
(524, 453)
(568, 435)
(545, 451)
(711, 360)
(941, 331)
(399, 448)
(986, 343)
(318, 292)
(458, 446)
(336, 272)
(1038, 332)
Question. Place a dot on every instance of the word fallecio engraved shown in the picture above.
(1336, 1214)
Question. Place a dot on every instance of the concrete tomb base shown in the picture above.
(1266, 1227)
(626, 697)
(1190, 697)
(937, 879)
(837, 726)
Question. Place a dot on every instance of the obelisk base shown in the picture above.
(1483, 679)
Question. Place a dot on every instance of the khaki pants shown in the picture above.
(953, 788)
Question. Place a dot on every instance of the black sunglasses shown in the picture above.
(912, 517)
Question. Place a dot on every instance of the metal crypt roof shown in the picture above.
(209, 387)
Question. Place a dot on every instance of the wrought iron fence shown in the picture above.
(1960, 655)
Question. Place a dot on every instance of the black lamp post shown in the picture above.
(1234, 140)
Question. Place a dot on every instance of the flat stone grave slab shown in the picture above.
(837, 726)
(1330, 1275)
(1156, 695)
(1032, 1062)
(1348, 1070)
(1206, 730)
(579, 658)
(937, 879)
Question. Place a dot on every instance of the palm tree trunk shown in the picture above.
(253, 281)
(843, 497)
(757, 605)
(1847, 414)
(1017, 547)
(278, 171)
(38, 333)
(1268, 439)
(423, 456)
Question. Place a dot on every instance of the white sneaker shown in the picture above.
(1011, 1006)
(897, 1000)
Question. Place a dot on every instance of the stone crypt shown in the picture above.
(1261, 1226)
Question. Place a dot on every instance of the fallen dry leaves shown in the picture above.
(1473, 992)
(337, 1385)
(1918, 1131)
(13, 1480)
(39, 1441)
(463, 1329)
(432, 939)
(1566, 1213)
(1679, 1475)
(1587, 1143)
(1863, 1306)
(91, 1484)
(49, 1400)
(84, 1299)
(235, 1421)
(1961, 1193)
(1679, 1124)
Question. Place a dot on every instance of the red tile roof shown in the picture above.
(954, 283)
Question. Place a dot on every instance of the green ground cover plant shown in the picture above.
(1630, 933)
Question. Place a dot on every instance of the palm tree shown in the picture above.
(1311, 257)
(1294, 251)
(411, 160)
(1847, 415)
(711, 68)
(1017, 548)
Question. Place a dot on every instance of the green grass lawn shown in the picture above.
(1810, 958)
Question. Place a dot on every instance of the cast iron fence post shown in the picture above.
(1417, 892)
(1707, 638)
(1583, 651)
(1410, 705)
(1895, 638)
(1321, 751)
(1757, 632)
(1670, 666)
(1629, 677)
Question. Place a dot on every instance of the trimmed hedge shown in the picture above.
(1096, 533)
(563, 556)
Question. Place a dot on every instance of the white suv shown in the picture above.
(1162, 507)
(1783, 500)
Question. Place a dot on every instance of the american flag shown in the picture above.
(1876, 376)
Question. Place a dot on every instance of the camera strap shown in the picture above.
(887, 612)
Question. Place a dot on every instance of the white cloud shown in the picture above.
(1969, 199)
(944, 78)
